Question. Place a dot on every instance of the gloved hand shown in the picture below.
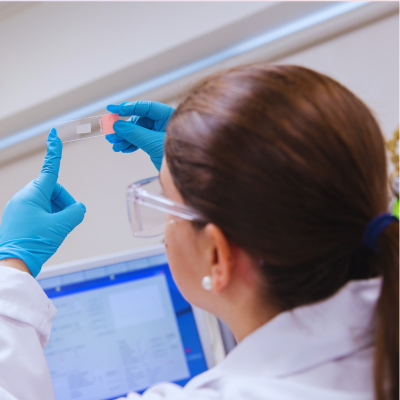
(38, 218)
(145, 130)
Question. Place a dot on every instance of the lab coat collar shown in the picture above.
(302, 338)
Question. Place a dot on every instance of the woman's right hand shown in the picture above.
(145, 130)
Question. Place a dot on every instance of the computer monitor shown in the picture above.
(122, 326)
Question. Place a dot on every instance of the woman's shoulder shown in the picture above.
(243, 390)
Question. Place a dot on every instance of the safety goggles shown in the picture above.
(149, 211)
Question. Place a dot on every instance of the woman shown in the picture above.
(285, 170)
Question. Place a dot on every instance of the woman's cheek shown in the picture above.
(174, 253)
(181, 257)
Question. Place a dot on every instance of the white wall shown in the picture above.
(56, 47)
(60, 59)
(366, 60)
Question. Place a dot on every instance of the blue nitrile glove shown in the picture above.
(38, 218)
(145, 130)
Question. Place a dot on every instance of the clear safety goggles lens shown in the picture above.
(149, 210)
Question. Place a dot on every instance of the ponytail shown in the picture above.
(387, 318)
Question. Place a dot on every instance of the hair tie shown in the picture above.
(375, 228)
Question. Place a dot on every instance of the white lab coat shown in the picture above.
(317, 352)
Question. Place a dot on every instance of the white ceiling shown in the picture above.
(10, 8)
(60, 56)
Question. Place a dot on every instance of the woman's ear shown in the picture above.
(221, 258)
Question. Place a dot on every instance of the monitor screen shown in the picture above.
(120, 328)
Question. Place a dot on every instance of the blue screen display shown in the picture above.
(120, 328)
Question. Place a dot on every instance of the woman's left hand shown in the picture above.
(38, 218)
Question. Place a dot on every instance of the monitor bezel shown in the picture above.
(206, 323)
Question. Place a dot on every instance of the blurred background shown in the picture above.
(68, 60)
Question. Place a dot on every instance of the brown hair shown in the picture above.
(291, 166)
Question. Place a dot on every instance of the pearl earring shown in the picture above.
(206, 283)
